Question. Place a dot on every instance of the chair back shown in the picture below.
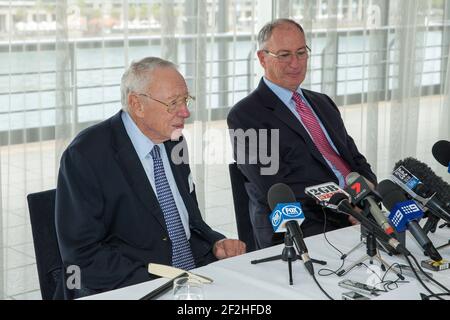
(241, 211)
(41, 206)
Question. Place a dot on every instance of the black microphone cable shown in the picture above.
(283, 193)
(320, 287)
(437, 295)
(428, 276)
(388, 283)
(415, 273)
(330, 272)
(321, 272)
(311, 272)
(422, 271)
(417, 276)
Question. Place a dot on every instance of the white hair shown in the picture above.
(138, 76)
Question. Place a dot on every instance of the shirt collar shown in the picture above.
(284, 94)
(142, 144)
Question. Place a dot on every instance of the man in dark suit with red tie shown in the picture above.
(313, 147)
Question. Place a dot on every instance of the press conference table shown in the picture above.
(237, 279)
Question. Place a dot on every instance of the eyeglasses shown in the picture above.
(175, 105)
(286, 56)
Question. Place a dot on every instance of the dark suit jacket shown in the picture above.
(300, 163)
(108, 219)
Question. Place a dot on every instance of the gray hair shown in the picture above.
(138, 76)
(266, 31)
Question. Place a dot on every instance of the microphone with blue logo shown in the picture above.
(405, 214)
(284, 207)
(424, 186)
(286, 216)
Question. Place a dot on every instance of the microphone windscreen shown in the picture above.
(280, 193)
(337, 198)
(424, 173)
(390, 193)
(441, 152)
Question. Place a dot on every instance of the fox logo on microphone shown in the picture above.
(284, 212)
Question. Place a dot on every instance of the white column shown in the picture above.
(264, 9)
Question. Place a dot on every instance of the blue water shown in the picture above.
(34, 79)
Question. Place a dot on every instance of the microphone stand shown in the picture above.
(362, 242)
(431, 225)
(363, 238)
(444, 246)
(372, 252)
(448, 243)
(288, 254)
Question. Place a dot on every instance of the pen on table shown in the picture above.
(162, 289)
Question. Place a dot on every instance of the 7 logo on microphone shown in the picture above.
(358, 190)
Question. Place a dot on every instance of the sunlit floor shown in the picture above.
(32, 168)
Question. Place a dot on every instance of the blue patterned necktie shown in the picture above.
(181, 250)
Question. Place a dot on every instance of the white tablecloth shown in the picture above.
(237, 279)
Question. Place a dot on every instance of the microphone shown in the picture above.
(410, 173)
(405, 214)
(323, 192)
(286, 216)
(361, 193)
(297, 236)
(284, 206)
(441, 152)
(340, 203)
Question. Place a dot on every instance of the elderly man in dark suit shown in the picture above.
(124, 199)
(313, 147)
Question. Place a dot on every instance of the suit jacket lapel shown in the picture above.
(133, 170)
(282, 112)
(272, 102)
(177, 172)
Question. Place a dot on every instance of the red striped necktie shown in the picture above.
(318, 136)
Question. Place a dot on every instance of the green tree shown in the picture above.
(83, 7)
(132, 12)
(156, 11)
(437, 4)
(144, 11)
(115, 13)
(21, 15)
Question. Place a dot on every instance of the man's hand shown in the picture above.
(352, 220)
(227, 248)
